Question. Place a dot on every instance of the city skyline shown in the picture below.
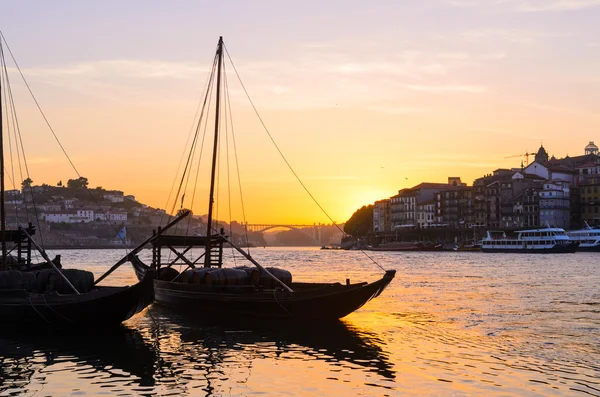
(363, 101)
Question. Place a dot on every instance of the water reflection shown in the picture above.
(239, 358)
(161, 353)
(30, 361)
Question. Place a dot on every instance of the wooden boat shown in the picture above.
(44, 294)
(259, 296)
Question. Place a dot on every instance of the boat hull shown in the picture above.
(101, 307)
(588, 248)
(556, 249)
(309, 301)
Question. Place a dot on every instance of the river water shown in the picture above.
(450, 324)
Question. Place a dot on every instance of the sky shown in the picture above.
(362, 98)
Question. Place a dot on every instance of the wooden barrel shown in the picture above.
(42, 280)
(267, 281)
(199, 275)
(252, 274)
(226, 276)
(215, 277)
(235, 276)
(186, 276)
(167, 273)
(82, 280)
(13, 279)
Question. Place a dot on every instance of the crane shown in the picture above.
(526, 154)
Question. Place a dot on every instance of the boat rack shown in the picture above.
(182, 246)
(20, 245)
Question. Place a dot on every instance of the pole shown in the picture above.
(47, 259)
(214, 158)
(3, 263)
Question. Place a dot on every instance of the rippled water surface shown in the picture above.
(450, 324)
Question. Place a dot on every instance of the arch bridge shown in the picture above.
(313, 231)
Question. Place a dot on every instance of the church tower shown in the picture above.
(541, 156)
(591, 148)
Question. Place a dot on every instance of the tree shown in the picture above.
(26, 184)
(59, 184)
(361, 222)
(81, 182)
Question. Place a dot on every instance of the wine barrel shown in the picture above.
(267, 282)
(167, 273)
(252, 274)
(199, 275)
(13, 279)
(82, 280)
(42, 278)
(226, 276)
(185, 277)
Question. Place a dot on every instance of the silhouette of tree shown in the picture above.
(80, 182)
(361, 222)
(26, 184)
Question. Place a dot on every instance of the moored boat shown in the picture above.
(588, 238)
(407, 246)
(204, 287)
(45, 294)
(543, 240)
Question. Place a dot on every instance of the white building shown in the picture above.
(555, 204)
(64, 216)
(114, 196)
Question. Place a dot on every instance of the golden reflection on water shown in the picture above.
(449, 324)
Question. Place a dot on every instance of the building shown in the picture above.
(382, 216)
(554, 204)
(404, 205)
(454, 207)
(426, 214)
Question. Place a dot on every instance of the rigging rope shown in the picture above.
(93, 198)
(284, 158)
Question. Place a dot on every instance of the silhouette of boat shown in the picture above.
(54, 297)
(249, 292)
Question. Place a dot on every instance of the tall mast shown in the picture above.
(214, 158)
(3, 264)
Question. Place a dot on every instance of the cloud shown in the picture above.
(529, 5)
(397, 109)
(559, 5)
(447, 88)
(310, 78)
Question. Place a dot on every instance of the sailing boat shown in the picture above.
(248, 292)
(53, 297)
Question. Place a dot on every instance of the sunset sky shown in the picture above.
(363, 98)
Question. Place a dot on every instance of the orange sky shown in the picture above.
(363, 101)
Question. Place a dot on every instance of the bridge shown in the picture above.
(313, 231)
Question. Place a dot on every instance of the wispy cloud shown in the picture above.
(310, 79)
(558, 5)
(447, 88)
(529, 5)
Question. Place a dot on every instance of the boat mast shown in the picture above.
(214, 158)
(3, 264)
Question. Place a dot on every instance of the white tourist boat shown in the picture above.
(588, 238)
(543, 240)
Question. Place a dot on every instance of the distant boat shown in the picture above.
(469, 247)
(407, 246)
(255, 292)
(544, 240)
(588, 238)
